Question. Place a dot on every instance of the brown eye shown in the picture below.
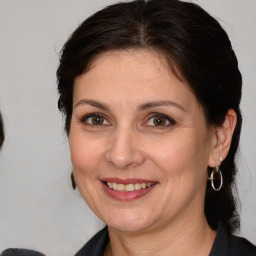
(94, 119)
(159, 121)
(97, 120)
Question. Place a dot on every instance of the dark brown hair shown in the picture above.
(194, 44)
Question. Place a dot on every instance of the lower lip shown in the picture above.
(127, 196)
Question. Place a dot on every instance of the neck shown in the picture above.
(194, 237)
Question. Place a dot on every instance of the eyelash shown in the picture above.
(171, 121)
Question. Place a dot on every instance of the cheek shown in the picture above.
(180, 155)
(85, 157)
(85, 153)
(172, 151)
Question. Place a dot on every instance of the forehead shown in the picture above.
(138, 73)
(140, 59)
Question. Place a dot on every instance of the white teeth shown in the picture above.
(120, 187)
(129, 187)
(137, 186)
(143, 185)
(149, 185)
(114, 186)
(110, 184)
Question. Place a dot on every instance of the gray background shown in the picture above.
(38, 208)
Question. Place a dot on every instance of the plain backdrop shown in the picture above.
(38, 208)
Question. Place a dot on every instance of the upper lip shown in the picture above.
(127, 181)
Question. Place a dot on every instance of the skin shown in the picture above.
(168, 220)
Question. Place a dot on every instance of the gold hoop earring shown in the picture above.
(213, 178)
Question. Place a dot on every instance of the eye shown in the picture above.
(160, 120)
(94, 119)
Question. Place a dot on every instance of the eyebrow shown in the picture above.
(154, 104)
(92, 103)
(144, 106)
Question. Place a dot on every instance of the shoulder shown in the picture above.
(96, 245)
(241, 246)
(226, 244)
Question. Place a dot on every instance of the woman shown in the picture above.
(150, 91)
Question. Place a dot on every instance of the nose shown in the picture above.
(124, 151)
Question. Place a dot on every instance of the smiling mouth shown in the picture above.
(128, 187)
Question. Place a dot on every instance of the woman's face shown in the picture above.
(139, 142)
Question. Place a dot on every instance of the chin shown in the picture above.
(128, 227)
(130, 222)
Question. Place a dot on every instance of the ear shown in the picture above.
(222, 138)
